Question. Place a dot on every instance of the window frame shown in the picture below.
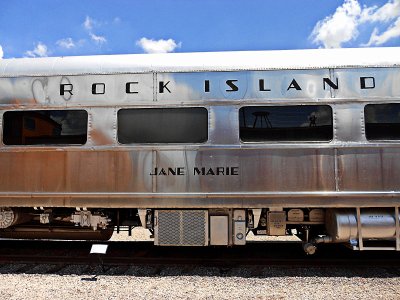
(289, 141)
(4, 112)
(365, 124)
(163, 143)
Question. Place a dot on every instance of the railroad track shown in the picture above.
(145, 253)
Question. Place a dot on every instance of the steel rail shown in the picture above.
(144, 253)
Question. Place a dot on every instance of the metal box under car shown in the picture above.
(181, 228)
(276, 223)
(219, 230)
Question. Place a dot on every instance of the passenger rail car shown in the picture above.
(202, 148)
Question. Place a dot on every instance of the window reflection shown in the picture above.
(382, 121)
(45, 127)
(286, 123)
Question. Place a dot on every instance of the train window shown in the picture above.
(163, 125)
(309, 123)
(382, 121)
(45, 127)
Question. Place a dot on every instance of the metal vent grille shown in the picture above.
(181, 228)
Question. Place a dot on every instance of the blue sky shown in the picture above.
(87, 27)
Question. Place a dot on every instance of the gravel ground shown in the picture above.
(199, 283)
(141, 234)
(19, 281)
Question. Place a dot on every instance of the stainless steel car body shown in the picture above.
(348, 171)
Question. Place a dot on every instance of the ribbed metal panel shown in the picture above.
(181, 228)
(201, 62)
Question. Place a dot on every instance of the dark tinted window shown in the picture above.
(286, 123)
(382, 121)
(163, 125)
(45, 127)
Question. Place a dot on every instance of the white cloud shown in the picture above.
(97, 38)
(343, 25)
(338, 28)
(67, 43)
(39, 51)
(89, 24)
(378, 39)
(389, 11)
(1, 52)
(159, 46)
